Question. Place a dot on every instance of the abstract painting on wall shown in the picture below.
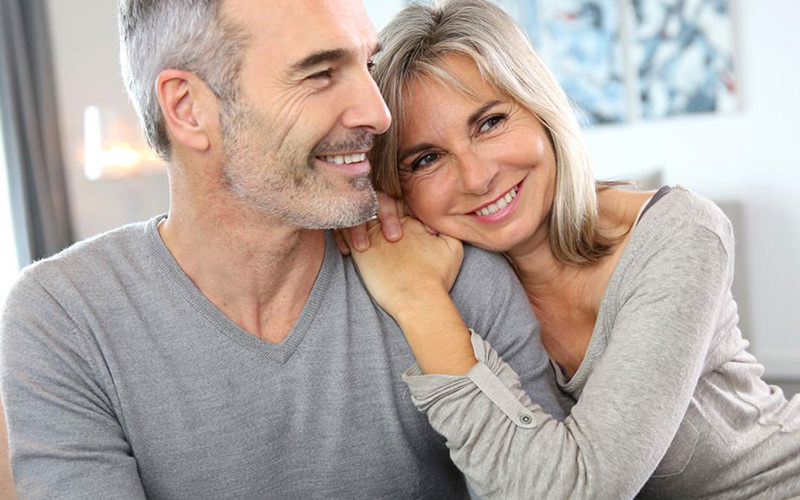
(622, 60)
(580, 42)
(684, 56)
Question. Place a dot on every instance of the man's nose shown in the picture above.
(367, 109)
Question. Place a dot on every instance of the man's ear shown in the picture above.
(186, 103)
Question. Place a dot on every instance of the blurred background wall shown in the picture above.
(743, 159)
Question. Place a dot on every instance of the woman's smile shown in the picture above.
(500, 208)
(475, 165)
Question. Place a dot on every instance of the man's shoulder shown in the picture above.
(487, 286)
(82, 263)
(481, 267)
(92, 251)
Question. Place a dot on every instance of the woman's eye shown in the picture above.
(424, 161)
(490, 123)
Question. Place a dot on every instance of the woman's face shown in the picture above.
(479, 169)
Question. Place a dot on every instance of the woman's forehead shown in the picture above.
(451, 89)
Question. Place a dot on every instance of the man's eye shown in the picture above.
(490, 123)
(322, 74)
(425, 160)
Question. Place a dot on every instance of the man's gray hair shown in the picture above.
(190, 35)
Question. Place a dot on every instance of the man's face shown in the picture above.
(295, 140)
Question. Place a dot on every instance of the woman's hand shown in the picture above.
(410, 279)
(403, 273)
(390, 210)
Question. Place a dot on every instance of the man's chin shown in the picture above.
(346, 211)
(361, 213)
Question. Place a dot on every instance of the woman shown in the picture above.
(632, 289)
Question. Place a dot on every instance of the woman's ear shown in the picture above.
(185, 102)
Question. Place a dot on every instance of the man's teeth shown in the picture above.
(499, 204)
(344, 159)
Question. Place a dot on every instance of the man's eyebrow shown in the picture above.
(474, 117)
(402, 155)
(324, 56)
(317, 58)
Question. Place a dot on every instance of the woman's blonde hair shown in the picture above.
(414, 44)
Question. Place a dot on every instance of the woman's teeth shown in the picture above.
(499, 204)
(344, 159)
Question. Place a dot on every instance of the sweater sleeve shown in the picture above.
(64, 435)
(631, 406)
(493, 303)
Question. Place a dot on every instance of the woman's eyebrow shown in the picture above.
(474, 117)
(402, 155)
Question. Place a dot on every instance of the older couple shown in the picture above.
(227, 350)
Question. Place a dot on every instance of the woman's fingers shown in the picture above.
(352, 238)
(390, 211)
(341, 244)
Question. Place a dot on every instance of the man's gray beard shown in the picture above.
(345, 212)
(319, 211)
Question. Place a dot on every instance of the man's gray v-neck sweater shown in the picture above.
(122, 381)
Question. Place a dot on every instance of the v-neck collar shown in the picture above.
(574, 385)
(279, 352)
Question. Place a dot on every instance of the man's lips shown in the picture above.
(353, 163)
(344, 158)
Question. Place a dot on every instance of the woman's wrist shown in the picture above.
(410, 301)
(437, 334)
(424, 300)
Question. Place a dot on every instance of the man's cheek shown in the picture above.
(291, 121)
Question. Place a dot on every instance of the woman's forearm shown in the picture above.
(436, 334)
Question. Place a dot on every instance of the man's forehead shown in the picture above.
(296, 27)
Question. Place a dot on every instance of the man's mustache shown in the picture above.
(359, 142)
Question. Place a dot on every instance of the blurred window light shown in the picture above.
(92, 140)
(107, 152)
(9, 260)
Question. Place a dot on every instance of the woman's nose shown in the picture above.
(477, 173)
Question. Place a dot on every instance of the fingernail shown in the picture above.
(393, 231)
(361, 242)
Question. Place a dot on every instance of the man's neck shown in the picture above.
(258, 272)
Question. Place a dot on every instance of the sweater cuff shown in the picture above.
(491, 376)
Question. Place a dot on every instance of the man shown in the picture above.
(228, 350)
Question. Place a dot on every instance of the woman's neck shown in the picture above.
(550, 283)
(566, 298)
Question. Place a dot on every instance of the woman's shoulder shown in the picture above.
(682, 211)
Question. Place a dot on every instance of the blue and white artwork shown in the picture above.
(684, 57)
(622, 60)
(580, 41)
